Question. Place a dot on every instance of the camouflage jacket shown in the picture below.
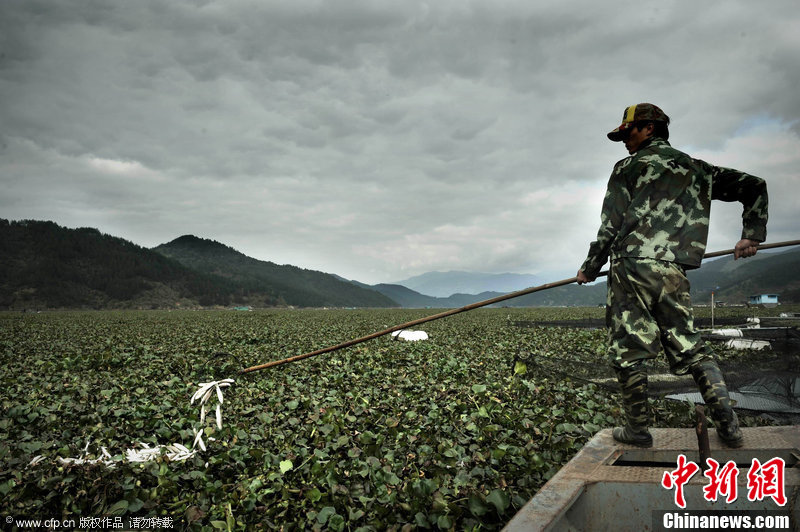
(658, 202)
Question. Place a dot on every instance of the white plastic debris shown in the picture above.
(410, 335)
(36, 460)
(745, 343)
(735, 333)
(175, 452)
(105, 459)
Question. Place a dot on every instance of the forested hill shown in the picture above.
(43, 265)
(47, 266)
(295, 286)
(733, 281)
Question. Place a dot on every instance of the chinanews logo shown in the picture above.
(763, 480)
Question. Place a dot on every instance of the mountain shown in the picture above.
(570, 295)
(408, 298)
(288, 284)
(405, 297)
(48, 266)
(734, 281)
(444, 284)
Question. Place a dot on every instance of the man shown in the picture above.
(654, 227)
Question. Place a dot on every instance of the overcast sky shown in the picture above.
(382, 139)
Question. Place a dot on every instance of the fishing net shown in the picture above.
(761, 368)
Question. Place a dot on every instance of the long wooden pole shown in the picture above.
(469, 307)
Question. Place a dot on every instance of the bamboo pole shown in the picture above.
(469, 307)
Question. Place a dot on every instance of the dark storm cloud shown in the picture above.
(377, 139)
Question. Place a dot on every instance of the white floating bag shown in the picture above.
(746, 343)
(736, 333)
(409, 335)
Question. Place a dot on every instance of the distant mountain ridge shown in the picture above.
(445, 284)
(47, 266)
(731, 281)
(285, 283)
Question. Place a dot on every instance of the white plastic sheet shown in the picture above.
(409, 335)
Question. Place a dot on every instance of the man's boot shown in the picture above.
(633, 384)
(712, 386)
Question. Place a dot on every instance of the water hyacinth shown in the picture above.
(456, 432)
(174, 452)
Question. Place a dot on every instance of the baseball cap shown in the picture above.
(634, 113)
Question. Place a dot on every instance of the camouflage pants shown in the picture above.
(649, 310)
